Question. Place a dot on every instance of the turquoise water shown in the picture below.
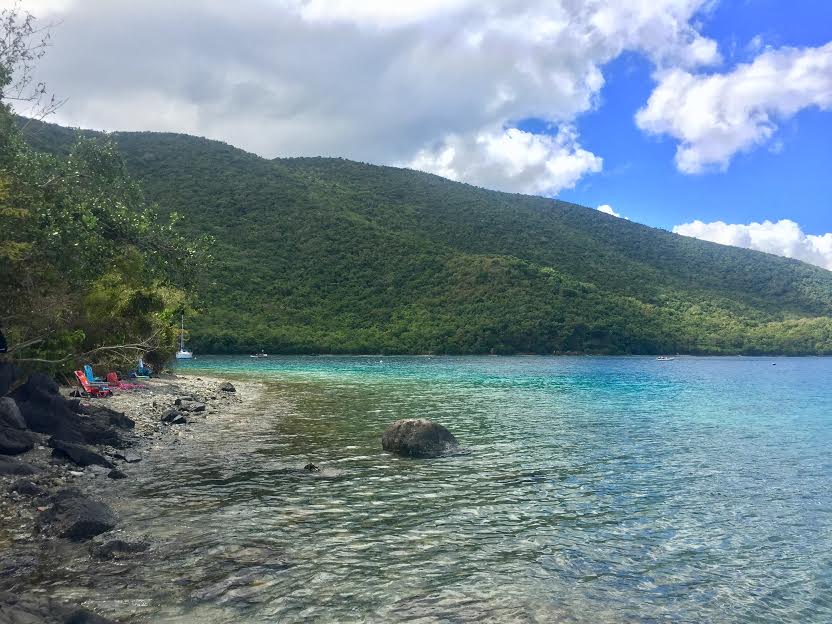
(593, 490)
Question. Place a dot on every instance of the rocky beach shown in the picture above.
(62, 459)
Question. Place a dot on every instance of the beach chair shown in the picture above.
(90, 376)
(114, 382)
(93, 390)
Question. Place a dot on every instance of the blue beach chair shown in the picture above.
(90, 377)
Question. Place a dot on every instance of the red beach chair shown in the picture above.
(97, 390)
(114, 382)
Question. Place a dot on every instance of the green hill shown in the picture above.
(330, 255)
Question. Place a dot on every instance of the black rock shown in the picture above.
(75, 516)
(115, 473)
(174, 417)
(311, 468)
(15, 441)
(27, 488)
(78, 453)
(416, 437)
(46, 411)
(107, 416)
(23, 609)
(114, 549)
(10, 415)
(228, 387)
(10, 466)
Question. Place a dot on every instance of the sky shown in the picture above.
(711, 118)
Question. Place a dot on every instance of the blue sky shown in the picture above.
(639, 178)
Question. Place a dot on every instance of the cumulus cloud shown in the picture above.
(783, 238)
(607, 209)
(718, 115)
(437, 84)
(511, 159)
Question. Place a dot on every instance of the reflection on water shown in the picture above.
(595, 490)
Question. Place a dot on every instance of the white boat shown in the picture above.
(664, 358)
(183, 354)
(260, 355)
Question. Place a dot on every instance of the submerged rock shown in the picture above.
(117, 548)
(228, 387)
(417, 437)
(311, 468)
(115, 473)
(127, 456)
(75, 516)
(23, 609)
(10, 415)
(78, 454)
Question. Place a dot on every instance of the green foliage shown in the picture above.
(87, 266)
(328, 255)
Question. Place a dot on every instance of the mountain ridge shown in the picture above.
(330, 255)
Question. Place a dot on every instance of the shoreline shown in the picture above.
(55, 499)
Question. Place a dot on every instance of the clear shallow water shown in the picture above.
(595, 490)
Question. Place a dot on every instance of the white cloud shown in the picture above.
(511, 159)
(783, 238)
(715, 116)
(607, 209)
(432, 83)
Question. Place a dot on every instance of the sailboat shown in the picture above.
(182, 354)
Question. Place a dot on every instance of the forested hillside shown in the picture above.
(328, 255)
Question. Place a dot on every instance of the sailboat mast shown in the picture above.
(182, 335)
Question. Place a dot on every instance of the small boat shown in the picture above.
(260, 355)
(183, 354)
(664, 358)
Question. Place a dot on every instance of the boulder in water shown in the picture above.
(74, 516)
(28, 609)
(417, 437)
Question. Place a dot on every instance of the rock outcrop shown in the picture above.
(75, 516)
(418, 438)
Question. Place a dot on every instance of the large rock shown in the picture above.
(23, 609)
(74, 516)
(107, 416)
(418, 438)
(15, 441)
(46, 411)
(10, 415)
(78, 453)
(228, 387)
